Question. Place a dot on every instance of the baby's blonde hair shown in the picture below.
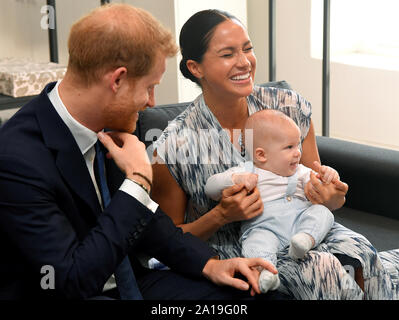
(267, 125)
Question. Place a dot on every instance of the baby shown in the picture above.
(288, 218)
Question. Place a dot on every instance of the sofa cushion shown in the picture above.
(372, 174)
(382, 232)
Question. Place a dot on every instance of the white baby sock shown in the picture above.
(301, 243)
(268, 281)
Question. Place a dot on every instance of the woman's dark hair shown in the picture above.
(195, 36)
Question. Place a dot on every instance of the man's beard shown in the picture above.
(118, 119)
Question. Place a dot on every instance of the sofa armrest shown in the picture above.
(372, 174)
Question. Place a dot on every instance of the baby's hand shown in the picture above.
(328, 174)
(248, 179)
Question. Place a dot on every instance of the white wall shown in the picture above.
(293, 59)
(363, 104)
(258, 29)
(164, 11)
(20, 31)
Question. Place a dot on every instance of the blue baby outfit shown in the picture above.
(282, 218)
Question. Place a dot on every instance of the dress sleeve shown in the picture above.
(297, 108)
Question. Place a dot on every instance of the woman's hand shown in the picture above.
(331, 195)
(326, 173)
(248, 179)
(237, 205)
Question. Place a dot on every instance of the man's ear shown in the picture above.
(260, 155)
(118, 76)
(195, 68)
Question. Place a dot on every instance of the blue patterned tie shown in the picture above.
(124, 276)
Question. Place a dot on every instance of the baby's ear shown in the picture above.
(260, 155)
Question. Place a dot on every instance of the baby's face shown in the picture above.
(283, 152)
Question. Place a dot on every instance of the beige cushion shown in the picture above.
(24, 77)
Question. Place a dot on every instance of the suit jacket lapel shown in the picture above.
(68, 157)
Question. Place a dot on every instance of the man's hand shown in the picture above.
(129, 154)
(222, 272)
(249, 180)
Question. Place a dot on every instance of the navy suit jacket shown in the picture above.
(50, 215)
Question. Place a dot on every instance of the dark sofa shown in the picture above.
(371, 173)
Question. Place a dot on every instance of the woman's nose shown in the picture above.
(243, 60)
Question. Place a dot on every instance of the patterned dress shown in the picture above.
(194, 146)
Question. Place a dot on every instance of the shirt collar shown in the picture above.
(84, 137)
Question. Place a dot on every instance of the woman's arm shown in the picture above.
(168, 194)
(331, 195)
(235, 205)
(310, 152)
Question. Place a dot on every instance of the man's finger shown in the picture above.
(259, 262)
(107, 142)
(119, 138)
(237, 283)
(244, 269)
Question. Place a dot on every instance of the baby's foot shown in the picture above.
(301, 243)
(268, 281)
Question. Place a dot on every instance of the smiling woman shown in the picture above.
(219, 57)
(222, 62)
